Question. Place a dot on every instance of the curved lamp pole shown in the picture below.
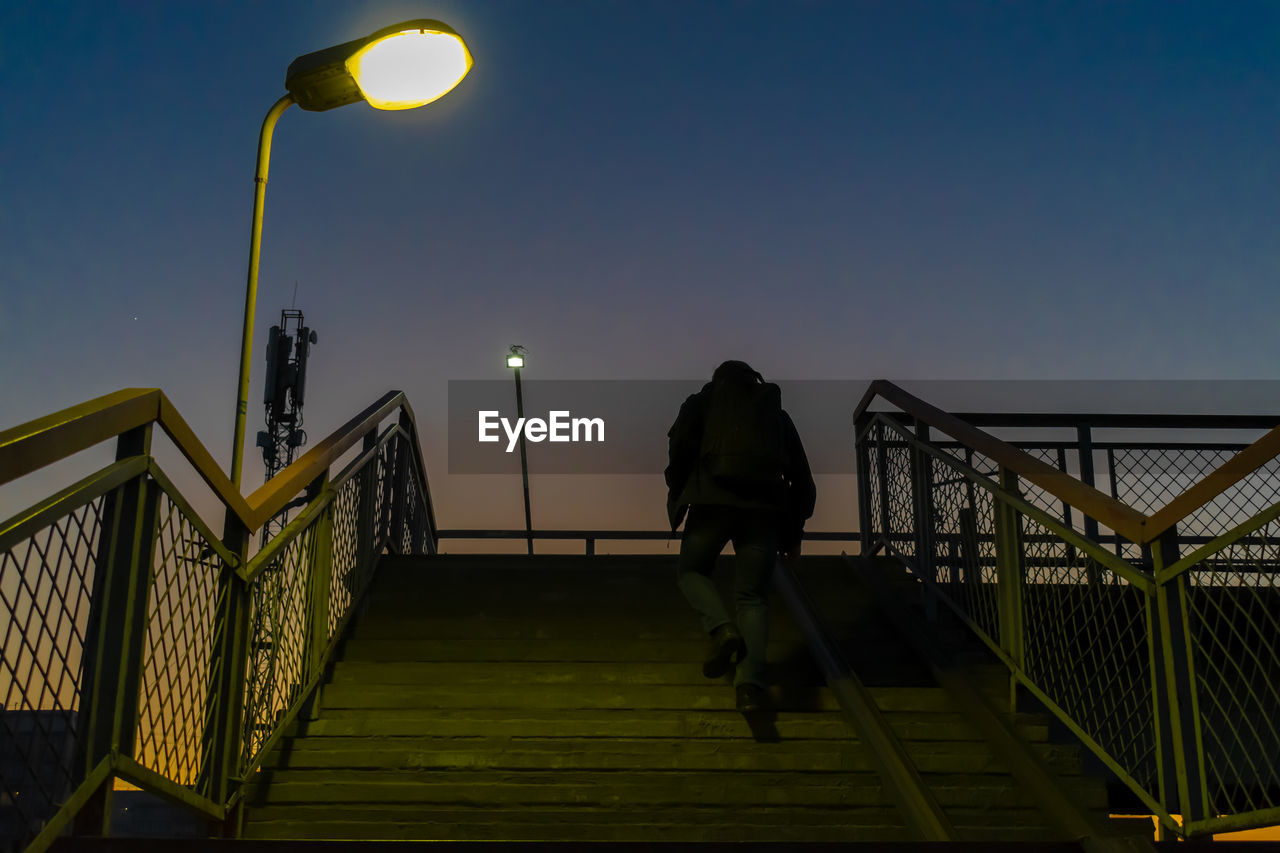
(399, 67)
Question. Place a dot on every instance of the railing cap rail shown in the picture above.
(45, 440)
(1120, 517)
(1116, 420)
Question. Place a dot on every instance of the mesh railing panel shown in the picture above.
(179, 650)
(409, 514)
(1233, 602)
(386, 488)
(1033, 494)
(1149, 478)
(346, 581)
(901, 534)
(278, 654)
(875, 527)
(1086, 631)
(46, 583)
(964, 547)
(1085, 644)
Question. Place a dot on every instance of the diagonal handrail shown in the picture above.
(1157, 676)
(43, 441)
(1134, 525)
(272, 495)
(178, 615)
(1120, 517)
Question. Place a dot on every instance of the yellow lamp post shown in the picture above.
(397, 68)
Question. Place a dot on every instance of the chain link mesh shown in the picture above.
(1036, 496)
(46, 586)
(278, 652)
(1233, 603)
(409, 511)
(872, 439)
(1149, 478)
(901, 535)
(1087, 632)
(964, 547)
(346, 579)
(1086, 645)
(179, 650)
(1085, 640)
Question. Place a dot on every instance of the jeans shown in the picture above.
(754, 534)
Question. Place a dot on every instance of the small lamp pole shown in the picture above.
(515, 361)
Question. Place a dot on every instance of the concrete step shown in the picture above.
(708, 697)
(639, 787)
(585, 628)
(793, 824)
(711, 696)
(599, 825)
(912, 725)
(787, 831)
(522, 672)
(561, 699)
(531, 564)
(504, 788)
(564, 670)
(531, 753)
(616, 649)
(337, 722)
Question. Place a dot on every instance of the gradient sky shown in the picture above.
(639, 190)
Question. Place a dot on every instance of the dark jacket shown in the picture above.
(687, 485)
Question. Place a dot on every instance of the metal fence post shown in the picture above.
(862, 457)
(882, 460)
(416, 521)
(318, 593)
(1182, 754)
(922, 493)
(384, 481)
(395, 536)
(117, 627)
(222, 744)
(1084, 448)
(366, 532)
(1010, 563)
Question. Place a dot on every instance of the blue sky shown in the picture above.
(837, 190)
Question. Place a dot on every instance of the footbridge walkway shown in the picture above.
(1044, 623)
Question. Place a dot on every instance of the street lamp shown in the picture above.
(397, 68)
(515, 361)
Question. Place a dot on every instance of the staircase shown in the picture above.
(561, 699)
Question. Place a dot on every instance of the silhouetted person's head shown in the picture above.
(736, 371)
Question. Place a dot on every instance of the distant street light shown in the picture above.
(397, 68)
(515, 360)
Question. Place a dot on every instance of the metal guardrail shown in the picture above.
(1152, 633)
(138, 644)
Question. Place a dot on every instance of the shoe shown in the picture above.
(727, 648)
(752, 698)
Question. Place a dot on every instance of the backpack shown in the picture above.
(742, 438)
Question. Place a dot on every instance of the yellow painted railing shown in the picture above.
(141, 645)
(1154, 636)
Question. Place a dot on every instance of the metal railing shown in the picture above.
(138, 644)
(1147, 619)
